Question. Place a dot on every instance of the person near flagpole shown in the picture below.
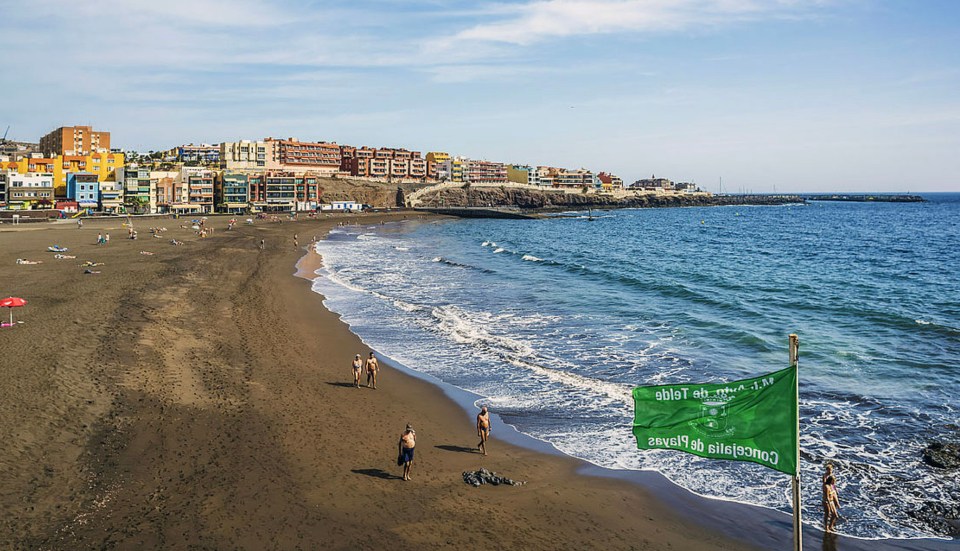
(831, 500)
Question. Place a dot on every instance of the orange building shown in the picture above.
(75, 140)
(319, 156)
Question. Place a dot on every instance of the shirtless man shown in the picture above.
(372, 368)
(483, 429)
(357, 367)
(408, 440)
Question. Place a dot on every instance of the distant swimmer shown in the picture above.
(408, 440)
(483, 429)
(372, 368)
(357, 367)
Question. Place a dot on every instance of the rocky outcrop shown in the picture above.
(942, 517)
(467, 196)
(942, 456)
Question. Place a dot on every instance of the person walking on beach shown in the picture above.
(99, 239)
(296, 241)
(262, 244)
(357, 367)
(408, 440)
(106, 239)
(79, 223)
(372, 368)
(483, 429)
(831, 500)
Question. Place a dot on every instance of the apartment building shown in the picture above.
(27, 190)
(653, 184)
(197, 185)
(249, 155)
(232, 192)
(277, 191)
(166, 190)
(84, 189)
(486, 172)
(3, 189)
(434, 160)
(609, 181)
(75, 140)
(138, 192)
(319, 157)
(523, 174)
(203, 153)
(579, 178)
(383, 164)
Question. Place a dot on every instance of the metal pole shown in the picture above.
(797, 522)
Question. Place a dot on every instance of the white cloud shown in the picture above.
(543, 19)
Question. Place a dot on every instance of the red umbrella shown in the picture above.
(12, 302)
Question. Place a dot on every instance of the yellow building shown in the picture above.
(104, 165)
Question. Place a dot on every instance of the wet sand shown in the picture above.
(201, 397)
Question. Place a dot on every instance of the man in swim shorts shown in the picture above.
(408, 440)
(483, 429)
(357, 367)
(372, 368)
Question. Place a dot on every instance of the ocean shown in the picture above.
(554, 321)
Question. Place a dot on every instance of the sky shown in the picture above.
(761, 95)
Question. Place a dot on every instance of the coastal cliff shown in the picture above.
(458, 197)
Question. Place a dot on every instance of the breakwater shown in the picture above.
(865, 198)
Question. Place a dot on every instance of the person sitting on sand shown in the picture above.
(25, 261)
(357, 367)
(408, 440)
(483, 429)
(372, 368)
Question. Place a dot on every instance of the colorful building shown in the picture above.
(84, 188)
(104, 165)
(75, 140)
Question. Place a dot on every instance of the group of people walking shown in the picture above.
(408, 438)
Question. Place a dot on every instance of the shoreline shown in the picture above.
(769, 526)
(199, 397)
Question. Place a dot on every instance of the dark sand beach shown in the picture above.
(201, 397)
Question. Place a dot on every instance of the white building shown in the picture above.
(249, 155)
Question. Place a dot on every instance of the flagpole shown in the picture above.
(797, 524)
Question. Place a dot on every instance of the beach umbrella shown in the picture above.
(12, 302)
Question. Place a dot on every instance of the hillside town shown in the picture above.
(76, 170)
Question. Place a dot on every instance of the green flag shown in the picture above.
(749, 420)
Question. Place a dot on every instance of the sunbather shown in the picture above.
(25, 261)
(63, 256)
(148, 253)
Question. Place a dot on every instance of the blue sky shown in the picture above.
(782, 95)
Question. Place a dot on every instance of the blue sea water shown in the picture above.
(554, 321)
